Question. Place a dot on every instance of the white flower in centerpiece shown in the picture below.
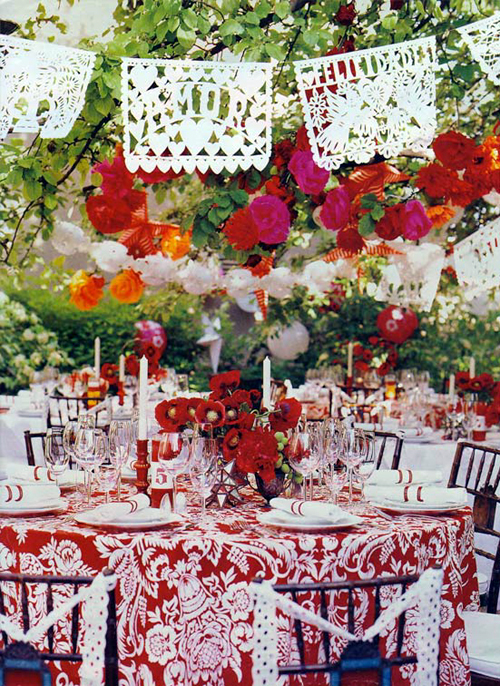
(68, 239)
(199, 277)
(110, 256)
(279, 282)
(42, 337)
(240, 282)
(318, 276)
(28, 335)
(156, 269)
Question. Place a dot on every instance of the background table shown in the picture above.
(184, 613)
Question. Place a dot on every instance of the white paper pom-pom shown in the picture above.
(110, 256)
(240, 282)
(279, 282)
(289, 343)
(156, 269)
(68, 239)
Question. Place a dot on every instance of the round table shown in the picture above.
(184, 612)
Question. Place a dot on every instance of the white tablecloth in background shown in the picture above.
(12, 428)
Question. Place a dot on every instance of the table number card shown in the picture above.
(42, 86)
(380, 100)
(196, 115)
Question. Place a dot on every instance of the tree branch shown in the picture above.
(87, 145)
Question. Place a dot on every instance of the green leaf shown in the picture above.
(276, 51)
(369, 201)
(199, 237)
(377, 212)
(282, 9)
(239, 196)
(186, 38)
(366, 225)
(231, 27)
(263, 8)
(252, 18)
(190, 18)
(310, 37)
(214, 216)
(32, 189)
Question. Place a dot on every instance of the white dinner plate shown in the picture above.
(273, 518)
(164, 519)
(30, 413)
(415, 508)
(54, 507)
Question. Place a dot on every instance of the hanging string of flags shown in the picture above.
(182, 114)
(477, 258)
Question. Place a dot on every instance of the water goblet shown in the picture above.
(56, 457)
(336, 475)
(120, 443)
(305, 454)
(174, 454)
(90, 449)
(108, 475)
(203, 467)
(366, 465)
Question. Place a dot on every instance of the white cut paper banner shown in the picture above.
(477, 258)
(196, 115)
(378, 100)
(42, 86)
(483, 40)
(412, 279)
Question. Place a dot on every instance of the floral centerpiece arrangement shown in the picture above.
(254, 437)
(486, 392)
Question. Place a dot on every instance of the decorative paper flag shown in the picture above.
(212, 339)
(412, 278)
(477, 258)
(483, 40)
(42, 86)
(380, 100)
(371, 248)
(263, 300)
(196, 115)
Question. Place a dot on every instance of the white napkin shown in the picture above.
(428, 495)
(17, 496)
(24, 473)
(71, 477)
(418, 432)
(129, 509)
(402, 477)
(313, 512)
(368, 426)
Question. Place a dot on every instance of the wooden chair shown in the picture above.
(24, 657)
(477, 469)
(387, 442)
(32, 439)
(62, 409)
(359, 656)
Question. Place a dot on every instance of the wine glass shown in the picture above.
(108, 475)
(120, 442)
(305, 454)
(90, 449)
(56, 457)
(203, 467)
(174, 454)
(336, 475)
(366, 464)
(351, 452)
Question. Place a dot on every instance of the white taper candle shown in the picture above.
(451, 387)
(472, 367)
(121, 373)
(142, 432)
(350, 353)
(97, 357)
(266, 383)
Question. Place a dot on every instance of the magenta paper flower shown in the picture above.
(116, 179)
(309, 177)
(336, 209)
(416, 223)
(272, 219)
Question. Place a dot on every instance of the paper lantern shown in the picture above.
(150, 339)
(289, 343)
(397, 324)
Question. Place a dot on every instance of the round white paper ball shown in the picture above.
(289, 343)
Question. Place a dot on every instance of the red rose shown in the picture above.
(350, 239)
(373, 340)
(384, 369)
(132, 365)
(302, 140)
(109, 372)
(283, 152)
(172, 414)
(358, 350)
(346, 14)
(391, 224)
(454, 150)
(462, 380)
(286, 414)
(361, 366)
(210, 412)
(367, 355)
(224, 384)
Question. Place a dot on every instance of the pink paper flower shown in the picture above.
(416, 222)
(336, 209)
(309, 177)
(272, 219)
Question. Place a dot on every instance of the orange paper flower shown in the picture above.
(440, 215)
(174, 243)
(86, 291)
(127, 287)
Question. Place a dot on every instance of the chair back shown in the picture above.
(350, 603)
(62, 409)
(477, 469)
(388, 449)
(58, 645)
(34, 443)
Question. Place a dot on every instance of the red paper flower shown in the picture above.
(336, 210)
(391, 224)
(367, 355)
(384, 369)
(232, 408)
(350, 239)
(283, 152)
(172, 414)
(224, 384)
(454, 150)
(373, 340)
(361, 366)
(462, 380)
(302, 139)
(210, 412)
(157, 176)
(487, 381)
(310, 178)
(435, 180)
(240, 230)
(272, 219)
(286, 414)
(230, 443)
(117, 181)
(108, 214)
(191, 407)
(109, 372)
(358, 350)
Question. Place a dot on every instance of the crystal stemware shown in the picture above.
(56, 457)
(305, 454)
(174, 454)
(203, 467)
(120, 443)
(90, 450)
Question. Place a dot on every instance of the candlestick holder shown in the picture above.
(121, 393)
(349, 381)
(142, 466)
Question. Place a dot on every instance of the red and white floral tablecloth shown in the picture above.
(184, 614)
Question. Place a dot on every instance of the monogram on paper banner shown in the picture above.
(380, 100)
(483, 40)
(196, 115)
(42, 86)
(477, 258)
